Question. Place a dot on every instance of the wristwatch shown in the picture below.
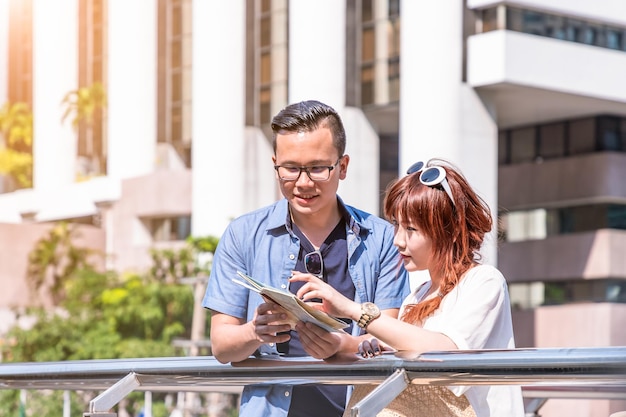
(369, 313)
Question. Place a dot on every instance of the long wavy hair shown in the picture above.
(456, 230)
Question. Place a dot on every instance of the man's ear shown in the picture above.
(343, 167)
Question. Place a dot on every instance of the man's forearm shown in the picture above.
(233, 342)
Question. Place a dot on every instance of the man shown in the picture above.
(351, 250)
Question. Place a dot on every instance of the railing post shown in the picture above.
(382, 395)
(100, 406)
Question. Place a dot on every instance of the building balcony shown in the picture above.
(589, 178)
(590, 255)
(528, 79)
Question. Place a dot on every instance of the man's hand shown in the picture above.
(317, 342)
(270, 322)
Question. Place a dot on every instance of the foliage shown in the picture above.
(16, 154)
(99, 316)
(83, 103)
(54, 260)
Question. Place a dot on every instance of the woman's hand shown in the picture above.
(372, 347)
(333, 302)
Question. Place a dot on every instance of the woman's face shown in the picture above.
(414, 246)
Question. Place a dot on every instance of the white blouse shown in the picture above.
(476, 314)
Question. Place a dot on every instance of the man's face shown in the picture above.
(310, 149)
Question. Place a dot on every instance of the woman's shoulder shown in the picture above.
(481, 273)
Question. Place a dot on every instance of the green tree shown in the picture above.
(100, 316)
(16, 153)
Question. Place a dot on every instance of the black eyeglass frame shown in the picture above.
(306, 169)
(426, 177)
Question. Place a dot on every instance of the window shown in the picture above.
(379, 58)
(540, 223)
(20, 82)
(267, 60)
(581, 136)
(554, 26)
(168, 229)
(523, 147)
(174, 75)
(535, 294)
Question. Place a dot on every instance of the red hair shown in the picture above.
(456, 231)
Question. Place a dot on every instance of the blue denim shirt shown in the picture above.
(261, 245)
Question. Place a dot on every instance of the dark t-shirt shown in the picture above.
(321, 400)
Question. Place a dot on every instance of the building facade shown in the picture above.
(526, 97)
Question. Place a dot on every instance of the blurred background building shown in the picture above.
(527, 97)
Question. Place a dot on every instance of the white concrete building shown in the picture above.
(527, 97)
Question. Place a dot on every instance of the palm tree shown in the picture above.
(83, 103)
(16, 154)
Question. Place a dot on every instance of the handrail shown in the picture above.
(593, 370)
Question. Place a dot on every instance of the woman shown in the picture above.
(440, 224)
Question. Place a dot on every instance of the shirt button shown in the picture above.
(283, 286)
(286, 393)
(292, 256)
(271, 344)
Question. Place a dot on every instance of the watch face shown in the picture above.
(371, 309)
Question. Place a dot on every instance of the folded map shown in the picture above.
(296, 309)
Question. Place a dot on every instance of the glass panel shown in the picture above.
(266, 31)
(177, 56)
(609, 135)
(368, 48)
(490, 19)
(176, 130)
(552, 140)
(394, 8)
(176, 21)
(616, 216)
(614, 39)
(523, 145)
(177, 86)
(266, 68)
(394, 38)
(367, 85)
(367, 11)
(503, 148)
(581, 136)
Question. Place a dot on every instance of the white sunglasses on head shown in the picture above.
(432, 176)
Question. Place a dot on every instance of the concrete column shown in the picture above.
(317, 59)
(317, 70)
(219, 42)
(132, 87)
(55, 73)
(440, 116)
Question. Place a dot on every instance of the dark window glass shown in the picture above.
(368, 45)
(266, 31)
(367, 11)
(394, 8)
(523, 145)
(614, 39)
(581, 136)
(367, 85)
(490, 19)
(503, 148)
(609, 135)
(552, 140)
(616, 216)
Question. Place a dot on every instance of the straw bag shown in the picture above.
(418, 401)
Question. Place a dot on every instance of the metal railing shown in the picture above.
(543, 373)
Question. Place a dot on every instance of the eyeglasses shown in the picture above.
(314, 264)
(315, 173)
(432, 176)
